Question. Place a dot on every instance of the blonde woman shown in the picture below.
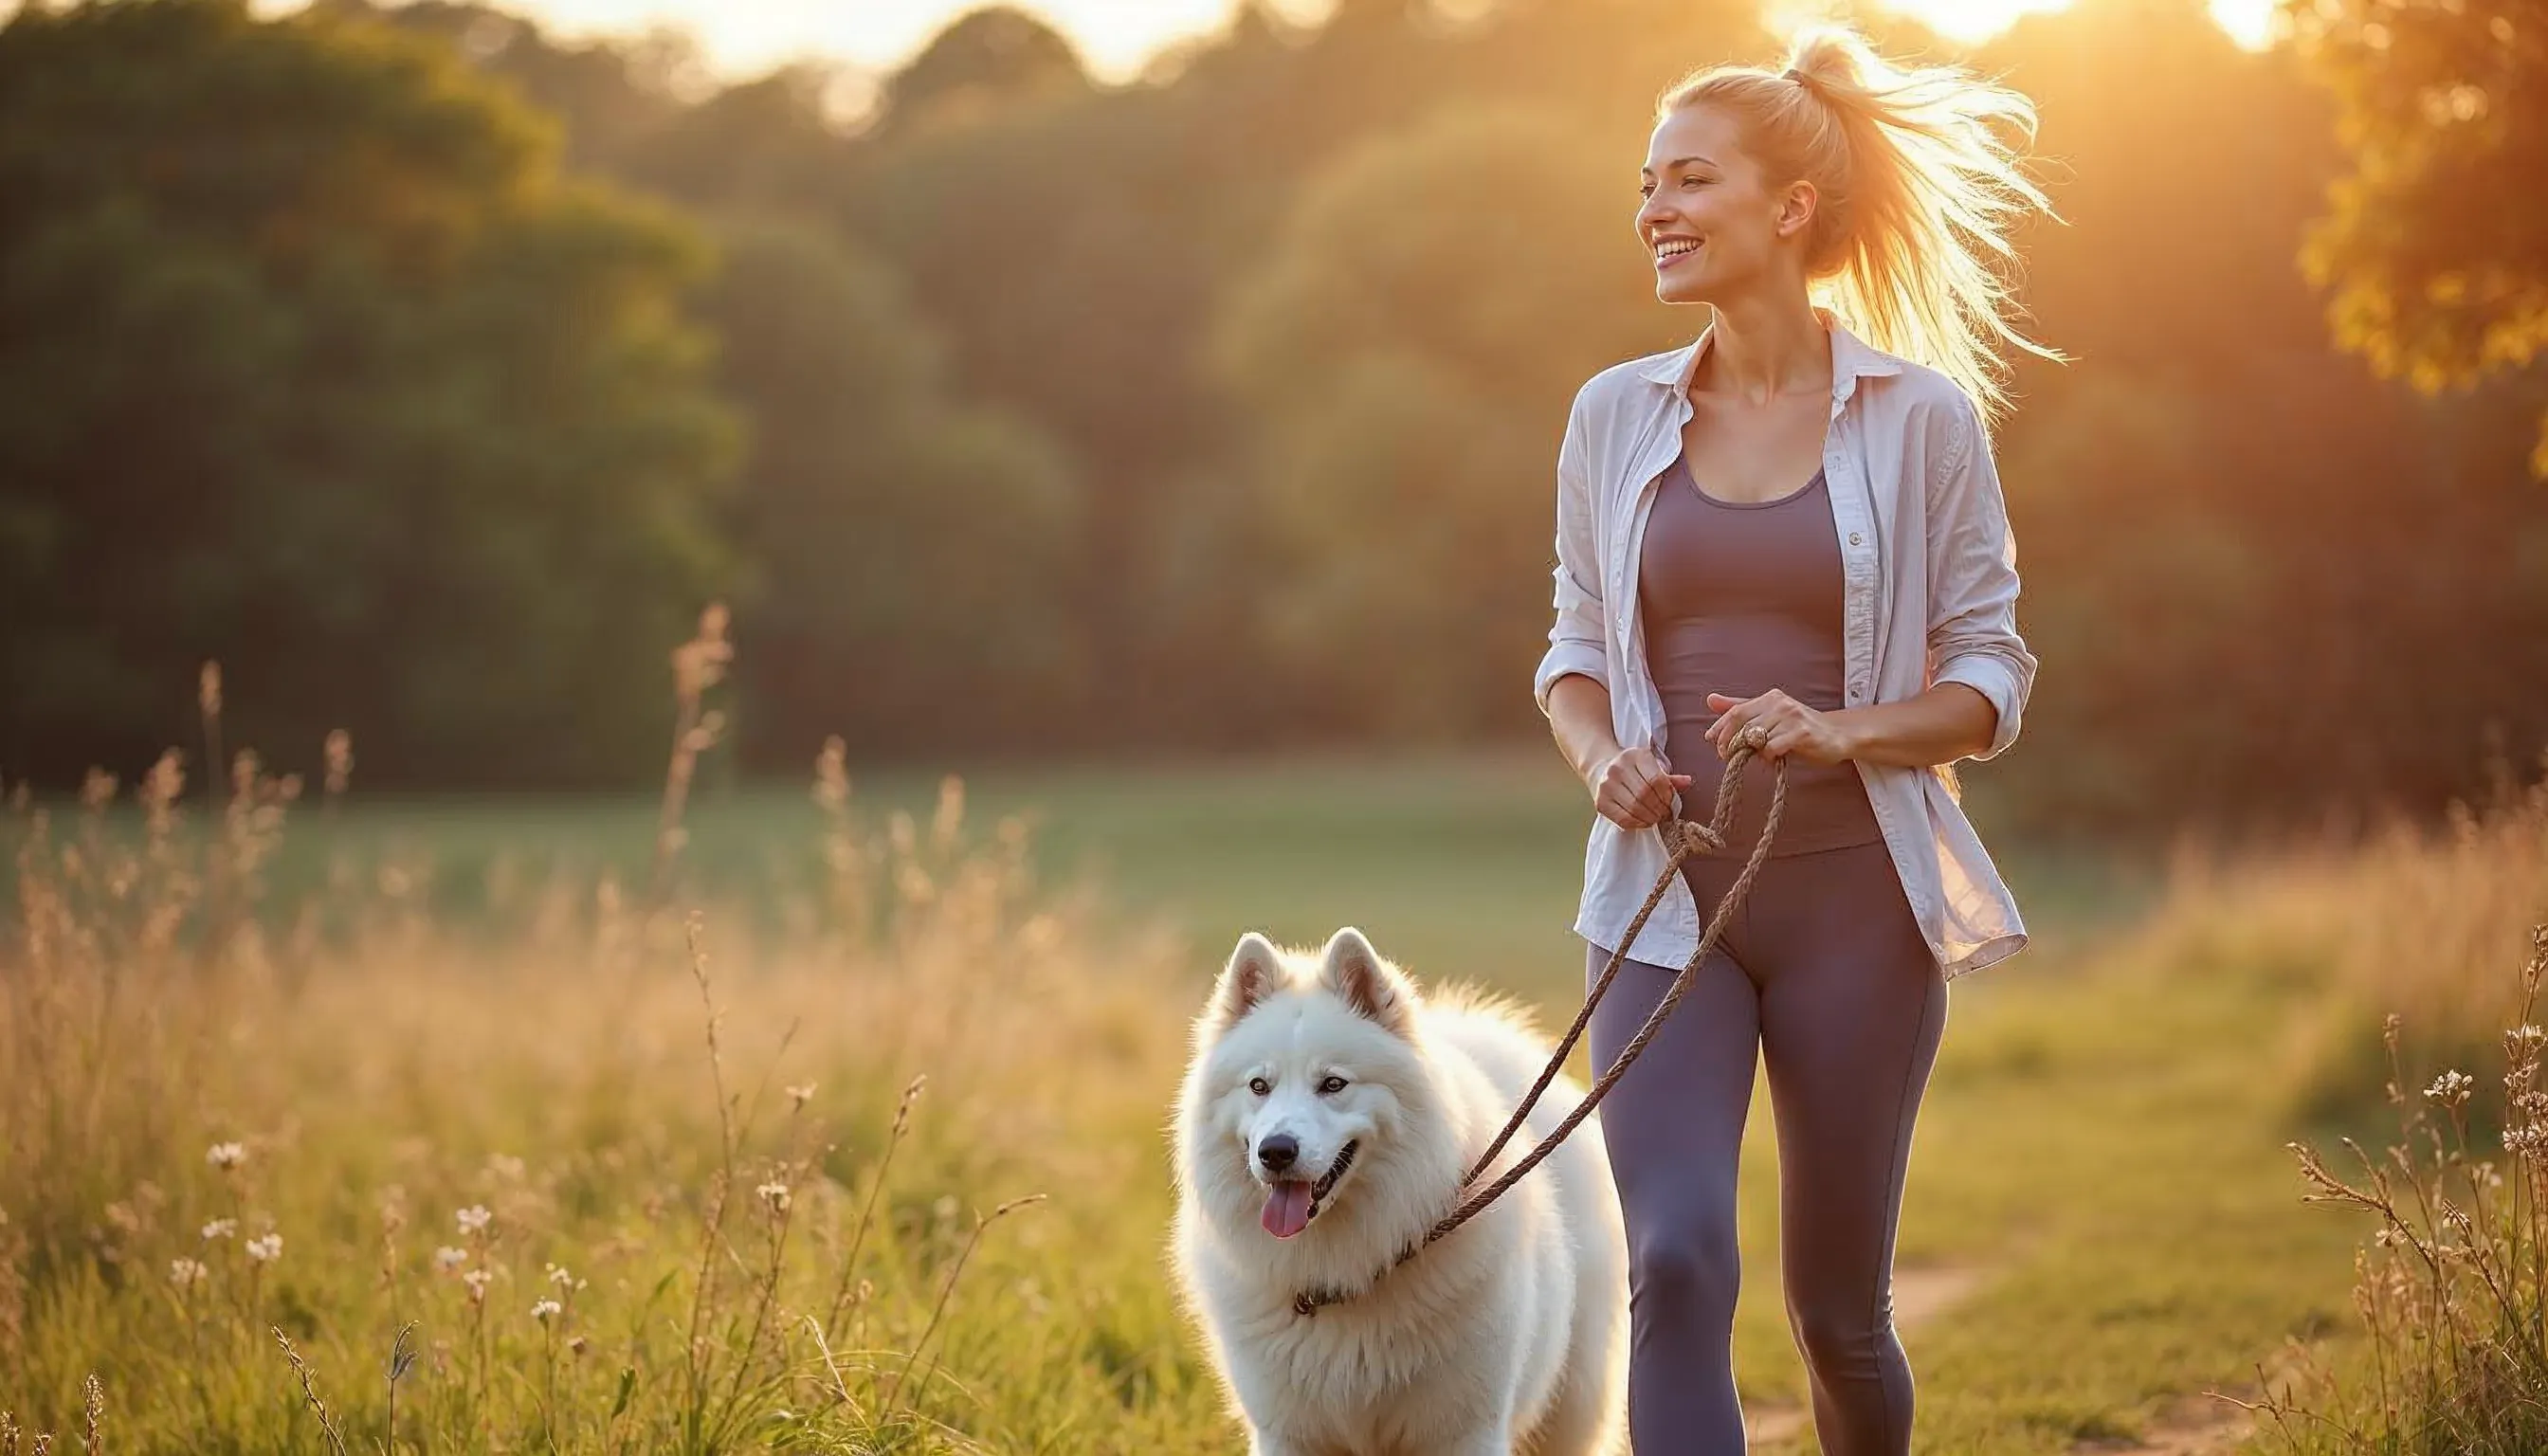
(1793, 530)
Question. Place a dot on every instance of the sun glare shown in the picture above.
(2249, 23)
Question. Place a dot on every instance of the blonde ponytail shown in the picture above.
(1917, 191)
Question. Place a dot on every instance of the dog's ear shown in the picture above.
(1373, 988)
(1254, 972)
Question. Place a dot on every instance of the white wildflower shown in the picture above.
(475, 1219)
(477, 1279)
(547, 1309)
(447, 1258)
(773, 1194)
(220, 1228)
(802, 1094)
(267, 1249)
(225, 1156)
(185, 1273)
(2451, 1089)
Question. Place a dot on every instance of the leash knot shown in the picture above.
(1697, 837)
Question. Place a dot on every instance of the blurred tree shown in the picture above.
(988, 61)
(909, 551)
(1408, 356)
(313, 364)
(2439, 272)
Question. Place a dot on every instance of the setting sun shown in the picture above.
(2247, 22)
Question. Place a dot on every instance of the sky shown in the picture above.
(1115, 37)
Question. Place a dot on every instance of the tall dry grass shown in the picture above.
(632, 1179)
(2418, 956)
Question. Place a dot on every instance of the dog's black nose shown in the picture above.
(1279, 1152)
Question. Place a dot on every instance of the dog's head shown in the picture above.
(1306, 1070)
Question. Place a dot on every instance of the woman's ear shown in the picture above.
(1797, 206)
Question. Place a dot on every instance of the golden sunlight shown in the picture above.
(2250, 23)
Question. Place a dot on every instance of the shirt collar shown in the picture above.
(1852, 359)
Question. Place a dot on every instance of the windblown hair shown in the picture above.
(1918, 185)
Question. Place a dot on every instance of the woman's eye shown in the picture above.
(1332, 1086)
(1259, 1086)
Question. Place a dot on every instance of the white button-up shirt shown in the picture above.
(1929, 579)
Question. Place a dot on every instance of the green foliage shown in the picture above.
(2437, 274)
(908, 547)
(1218, 408)
(1399, 403)
(316, 365)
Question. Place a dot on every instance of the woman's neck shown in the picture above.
(1759, 350)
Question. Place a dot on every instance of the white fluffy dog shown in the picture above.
(1324, 1123)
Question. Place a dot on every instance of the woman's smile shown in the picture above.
(1671, 251)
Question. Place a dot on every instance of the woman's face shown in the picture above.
(1716, 226)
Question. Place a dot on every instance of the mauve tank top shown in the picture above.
(1738, 599)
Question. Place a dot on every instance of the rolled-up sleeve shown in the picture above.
(1576, 638)
(1972, 580)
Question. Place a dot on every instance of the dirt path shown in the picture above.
(2188, 1425)
(1919, 1296)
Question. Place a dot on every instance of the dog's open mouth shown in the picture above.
(1293, 1202)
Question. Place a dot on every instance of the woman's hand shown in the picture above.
(1632, 790)
(1812, 735)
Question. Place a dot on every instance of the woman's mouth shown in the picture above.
(1674, 250)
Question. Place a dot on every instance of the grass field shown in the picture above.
(2101, 1221)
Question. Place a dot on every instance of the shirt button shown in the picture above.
(1853, 538)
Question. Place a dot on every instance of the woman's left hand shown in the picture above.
(1812, 735)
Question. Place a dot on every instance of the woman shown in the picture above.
(1787, 528)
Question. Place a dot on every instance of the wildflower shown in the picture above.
(2451, 1089)
(576, 1345)
(185, 1273)
(447, 1258)
(225, 1156)
(558, 1276)
(802, 1094)
(477, 1279)
(475, 1219)
(220, 1228)
(267, 1249)
(545, 1309)
(774, 1194)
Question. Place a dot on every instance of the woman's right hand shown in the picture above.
(1632, 788)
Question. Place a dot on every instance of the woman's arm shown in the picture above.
(1573, 682)
(1972, 590)
(1949, 721)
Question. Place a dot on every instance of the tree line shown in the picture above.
(432, 371)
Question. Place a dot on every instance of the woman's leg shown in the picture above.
(1674, 1126)
(1852, 1008)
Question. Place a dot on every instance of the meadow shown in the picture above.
(383, 1126)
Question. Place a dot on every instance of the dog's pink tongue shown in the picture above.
(1287, 1208)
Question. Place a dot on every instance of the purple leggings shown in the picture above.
(1825, 973)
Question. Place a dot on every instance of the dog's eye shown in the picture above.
(1331, 1086)
(1259, 1086)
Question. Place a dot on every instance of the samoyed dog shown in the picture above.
(1326, 1120)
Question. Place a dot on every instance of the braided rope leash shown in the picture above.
(1682, 840)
